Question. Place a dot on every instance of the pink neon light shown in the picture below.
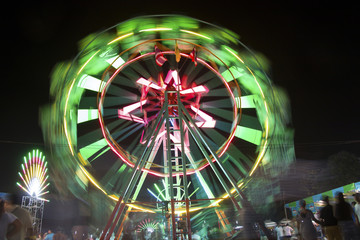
(197, 89)
(133, 106)
(124, 157)
(159, 57)
(201, 114)
(206, 124)
(147, 83)
(174, 139)
(173, 74)
(169, 76)
(130, 117)
(177, 82)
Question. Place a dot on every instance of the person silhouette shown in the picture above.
(23, 215)
(49, 235)
(344, 214)
(9, 224)
(60, 235)
(305, 218)
(329, 224)
(357, 208)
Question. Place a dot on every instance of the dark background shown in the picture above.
(312, 48)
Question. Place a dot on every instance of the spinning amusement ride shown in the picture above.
(167, 115)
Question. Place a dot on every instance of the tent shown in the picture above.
(314, 202)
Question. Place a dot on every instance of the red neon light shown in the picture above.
(172, 74)
(133, 106)
(197, 89)
(147, 83)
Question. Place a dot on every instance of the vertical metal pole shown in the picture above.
(168, 153)
(183, 155)
(200, 142)
(200, 139)
(140, 163)
(111, 218)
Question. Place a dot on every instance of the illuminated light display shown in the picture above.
(148, 83)
(116, 62)
(155, 29)
(179, 106)
(85, 115)
(90, 83)
(195, 33)
(120, 38)
(148, 225)
(34, 175)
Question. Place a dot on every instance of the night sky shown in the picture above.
(312, 48)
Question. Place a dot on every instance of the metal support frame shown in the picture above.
(36, 209)
(202, 144)
(200, 140)
(183, 118)
(140, 163)
(172, 156)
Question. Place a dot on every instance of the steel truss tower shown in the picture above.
(35, 207)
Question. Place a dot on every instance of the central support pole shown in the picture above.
(139, 165)
(175, 130)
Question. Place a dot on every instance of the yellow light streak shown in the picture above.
(83, 161)
(140, 208)
(65, 122)
(156, 29)
(91, 179)
(67, 101)
(195, 33)
(113, 197)
(80, 70)
(262, 153)
(121, 37)
(190, 210)
(234, 54)
(225, 196)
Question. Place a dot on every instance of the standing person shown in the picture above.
(329, 224)
(49, 235)
(305, 217)
(9, 224)
(59, 235)
(23, 215)
(344, 214)
(287, 231)
(279, 232)
(196, 235)
(357, 208)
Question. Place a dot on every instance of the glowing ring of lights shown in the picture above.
(77, 102)
(121, 152)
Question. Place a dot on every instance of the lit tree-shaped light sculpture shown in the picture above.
(34, 182)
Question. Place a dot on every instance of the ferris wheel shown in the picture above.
(166, 101)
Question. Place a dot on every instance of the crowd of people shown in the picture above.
(340, 222)
(15, 222)
(49, 235)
